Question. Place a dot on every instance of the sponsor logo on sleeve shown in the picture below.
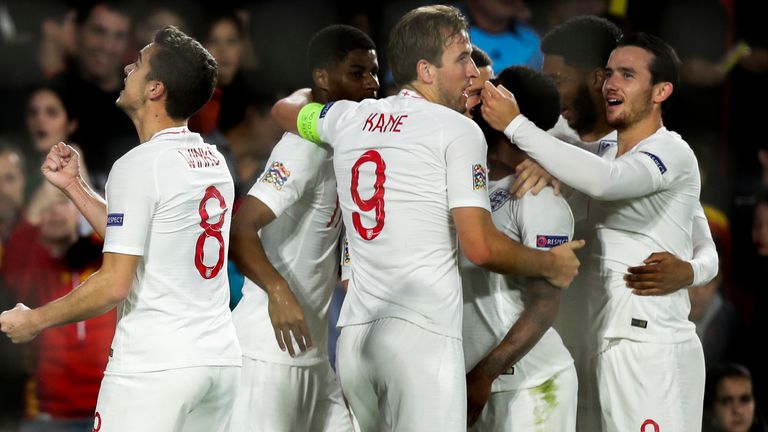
(498, 198)
(325, 109)
(115, 219)
(276, 175)
(550, 241)
(478, 177)
(657, 161)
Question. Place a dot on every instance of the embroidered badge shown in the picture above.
(276, 175)
(498, 198)
(603, 145)
(550, 241)
(115, 219)
(478, 176)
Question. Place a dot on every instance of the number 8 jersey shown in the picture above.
(401, 164)
(169, 200)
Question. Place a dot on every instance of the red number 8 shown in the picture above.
(210, 230)
(376, 202)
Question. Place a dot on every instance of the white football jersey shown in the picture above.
(645, 202)
(301, 243)
(169, 200)
(494, 302)
(402, 163)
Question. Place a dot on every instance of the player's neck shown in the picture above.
(320, 96)
(600, 130)
(424, 90)
(631, 136)
(152, 121)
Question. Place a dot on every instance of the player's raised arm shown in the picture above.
(248, 253)
(62, 169)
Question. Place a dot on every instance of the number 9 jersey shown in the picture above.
(169, 200)
(401, 164)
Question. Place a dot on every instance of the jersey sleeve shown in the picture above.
(544, 220)
(467, 169)
(132, 193)
(291, 170)
(323, 122)
(633, 175)
(705, 262)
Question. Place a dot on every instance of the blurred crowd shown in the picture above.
(63, 70)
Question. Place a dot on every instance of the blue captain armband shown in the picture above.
(306, 122)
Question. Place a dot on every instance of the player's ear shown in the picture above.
(662, 91)
(155, 89)
(597, 78)
(425, 71)
(320, 77)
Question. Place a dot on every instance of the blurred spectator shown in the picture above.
(720, 328)
(12, 182)
(49, 120)
(223, 38)
(499, 28)
(154, 16)
(41, 45)
(729, 402)
(43, 263)
(246, 133)
(12, 375)
(94, 83)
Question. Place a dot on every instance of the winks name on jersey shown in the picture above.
(200, 157)
(378, 122)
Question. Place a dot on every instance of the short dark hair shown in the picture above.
(186, 69)
(536, 95)
(422, 34)
(665, 64)
(480, 57)
(60, 92)
(332, 44)
(585, 41)
(716, 375)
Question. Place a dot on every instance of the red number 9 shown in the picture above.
(210, 230)
(376, 202)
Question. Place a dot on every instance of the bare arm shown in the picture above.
(97, 295)
(487, 247)
(248, 254)
(62, 169)
(286, 110)
(664, 273)
(542, 301)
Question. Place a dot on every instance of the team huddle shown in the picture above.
(464, 206)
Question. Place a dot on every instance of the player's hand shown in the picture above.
(499, 106)
(19, 324)
(663, 273)
(288, 320)
(478, 393)
(62, 166)
(566, 265)
(530, 176)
